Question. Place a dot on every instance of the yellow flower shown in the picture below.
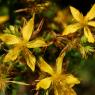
(61, 83)
(22, 44)
(63, 17)
(82, 22)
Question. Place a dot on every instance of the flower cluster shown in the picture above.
(22, 44)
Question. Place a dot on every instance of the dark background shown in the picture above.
(82, 5)
(11, 5)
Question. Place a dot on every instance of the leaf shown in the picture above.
(70, 91)
(17, 82)
(30, 59)
(28, 29)
(44, 83)
(71, 80)
(76, 14)
(9, 39)
(71, 29)
(88, 35)
(91, 23)
(91, 14)
(3, 19)
(45, 67)
(39, 42)
(12, 54)
(59, 63)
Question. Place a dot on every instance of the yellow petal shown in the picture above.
(45, 67)
(91, 14)
(69, 91)
(59, 63)
(12, 54)
(76, 14)
(30, 59)
(71, 80)
(71, 29)
(72, 92)
(9, 39)
(91, 23)
(55, 91)
(44, 83)
(3, 19)
(28, 29)
(88, 35)
(39, 42)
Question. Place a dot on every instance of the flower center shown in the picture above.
(83, 22)
(22, 43)
(58, 78)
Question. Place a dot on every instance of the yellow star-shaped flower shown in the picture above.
(82, 22)
(22, 43)
(61, 83)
